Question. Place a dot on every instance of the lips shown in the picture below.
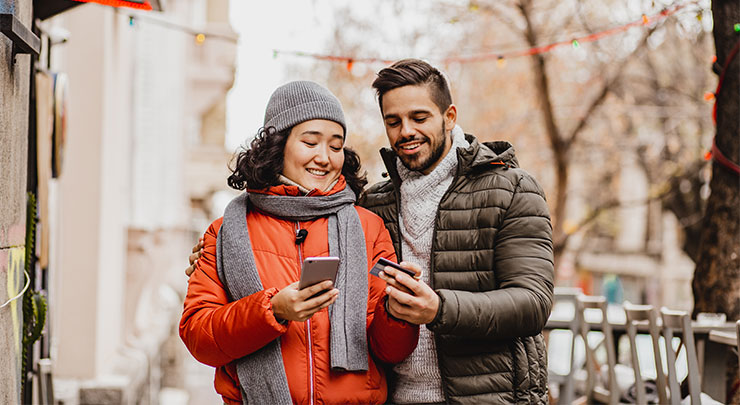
(317, 172)
(409, 147)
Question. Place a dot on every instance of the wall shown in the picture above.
(14, 100)
(123, 218)
(79, 229)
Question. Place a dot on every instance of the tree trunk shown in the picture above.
(716, 281)
(560, 149)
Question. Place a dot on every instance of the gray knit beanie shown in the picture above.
(296, 102)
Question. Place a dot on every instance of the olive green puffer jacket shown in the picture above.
(492, 266)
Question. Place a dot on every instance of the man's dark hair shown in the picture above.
(259, 166)
(414, 72)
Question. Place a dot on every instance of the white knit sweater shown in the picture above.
(419, 380)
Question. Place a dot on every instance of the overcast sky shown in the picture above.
(264, 26)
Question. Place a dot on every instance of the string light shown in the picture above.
(575, 43)
(708, 96)
(715, 153)
(199, 36)
(501, 62)
(349, 65)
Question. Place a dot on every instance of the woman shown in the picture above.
(244, 314)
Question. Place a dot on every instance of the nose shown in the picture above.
(407, 128)
(322, 156)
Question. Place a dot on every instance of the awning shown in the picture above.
(44, 9)
(138, 4)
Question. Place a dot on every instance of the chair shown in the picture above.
(606, 392)
(681, 321)
(566, 382)
(645, 315)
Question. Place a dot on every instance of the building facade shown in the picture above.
(140, 108)
(144, 109)
(15, 71)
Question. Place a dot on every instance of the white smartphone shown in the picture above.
(318, 269)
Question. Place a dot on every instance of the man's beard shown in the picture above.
(422, 165)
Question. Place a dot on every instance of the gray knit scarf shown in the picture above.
(262, 373)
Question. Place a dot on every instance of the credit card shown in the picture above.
(380, 265)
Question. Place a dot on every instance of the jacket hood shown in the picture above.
(495, 152)
(477, 154)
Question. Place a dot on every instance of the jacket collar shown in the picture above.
(297, 191)
(478, 154)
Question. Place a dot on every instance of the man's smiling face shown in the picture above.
(417, 130)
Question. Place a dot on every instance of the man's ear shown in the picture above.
(450, 117)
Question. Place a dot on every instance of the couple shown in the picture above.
(472, 227)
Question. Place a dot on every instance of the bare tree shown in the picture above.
(562, 109)
(716, 282)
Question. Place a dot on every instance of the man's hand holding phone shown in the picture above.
(409, 298)
(292, 304)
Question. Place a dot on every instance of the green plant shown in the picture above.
(34, 302)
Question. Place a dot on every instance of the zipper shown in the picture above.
(308, 329)
(310, 361)
(431, 266)
(397, 192)
(390, 161)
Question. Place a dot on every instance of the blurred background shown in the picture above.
(119, 119)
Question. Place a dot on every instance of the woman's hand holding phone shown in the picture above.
(292, 304)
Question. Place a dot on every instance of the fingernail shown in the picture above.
(387, 290)
(382, 273)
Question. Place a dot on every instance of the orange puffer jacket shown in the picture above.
(218, 332)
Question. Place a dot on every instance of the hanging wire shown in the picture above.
(28, 282)
(574, 42)
(199, 35)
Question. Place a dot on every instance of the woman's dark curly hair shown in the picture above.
(259, 166)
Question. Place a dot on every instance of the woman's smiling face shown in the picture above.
(314, 154)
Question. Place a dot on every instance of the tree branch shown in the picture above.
(541, 81)
(607, 87)
(497, 13)
(559, 245)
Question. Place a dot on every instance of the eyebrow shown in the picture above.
(415, 112)
(340, 136)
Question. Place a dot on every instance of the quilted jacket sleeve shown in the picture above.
(523, 269)
(215, 330)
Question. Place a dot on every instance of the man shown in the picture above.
(476, 230)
